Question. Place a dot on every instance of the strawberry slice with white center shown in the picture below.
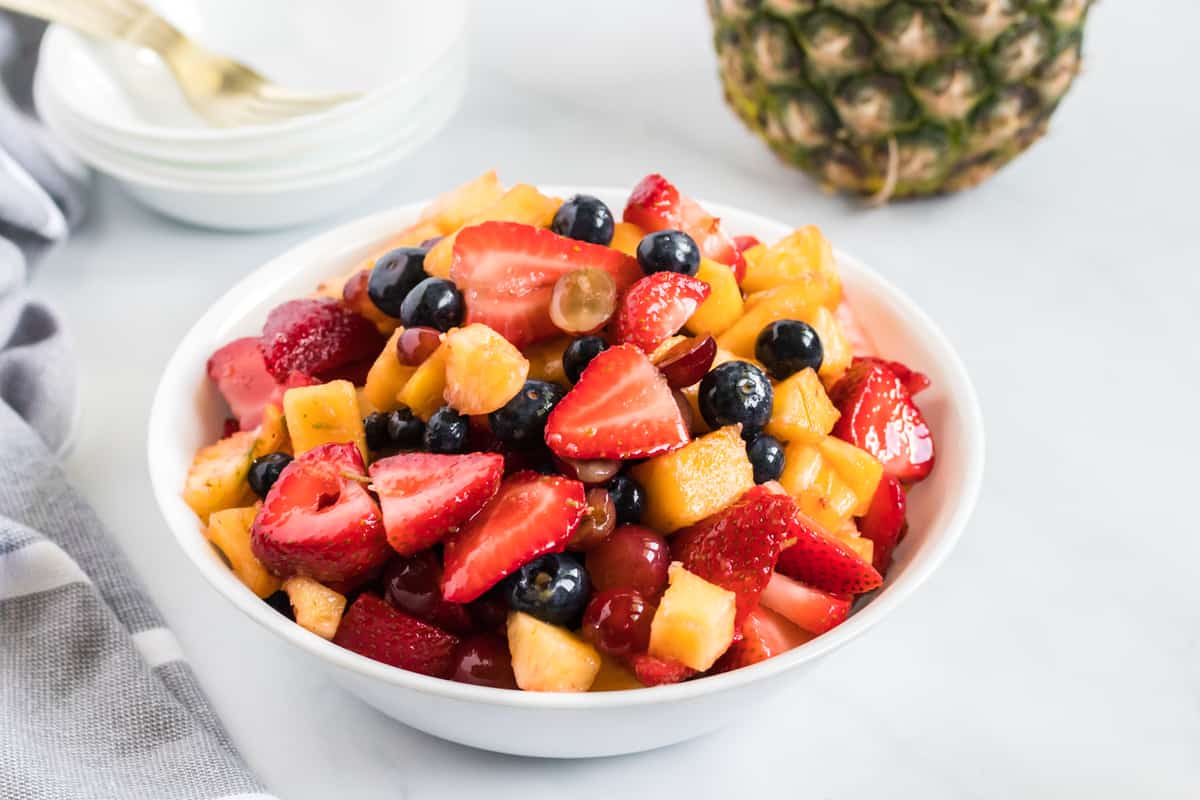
(806, 606)
(374, 629)
(319, 521)
(240, 373)
(621, 408)
(656, 307)
(656, 205)
(530, 516)
(884, 523)
(424, 496)
(819, 559)
(878, 415)
(507, 271)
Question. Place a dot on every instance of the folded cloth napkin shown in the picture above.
(95, 699)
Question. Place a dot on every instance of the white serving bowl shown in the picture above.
(187, 414)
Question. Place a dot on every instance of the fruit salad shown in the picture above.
(529, 446)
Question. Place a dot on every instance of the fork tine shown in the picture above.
(280, 97)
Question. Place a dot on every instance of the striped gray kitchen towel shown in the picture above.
(96, 702)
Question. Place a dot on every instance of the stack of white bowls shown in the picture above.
(119, 109)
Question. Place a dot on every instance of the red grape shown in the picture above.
(484, 660)
(632, 557)
(598, 522)
(618, 622)
(689, 361)
(417, 344)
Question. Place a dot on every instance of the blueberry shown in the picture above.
(629, 498)
(788, 346)
(264, 471)
(394, 275)
(281, 603)
(446, 431)
(736, 392)
(766, 456)
(554, 588)
(522, 420)
(393, 429)
(585, 218)
(580, 353)
(433, 303)
(668, 251)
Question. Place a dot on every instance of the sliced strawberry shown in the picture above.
(737, 548)
(318, 520)
(878, 415)
(884, 521)
(374, 629)
(241, 376)
(745, 242)
(764, 634)
(530, 516)
(654, 671)
(809, 608)
(656, 307)
(914, 381)
(317, 336)
(507, 271)
(621, 408)
(424, 496)
(823, 561)
(860, 341)
(655, 205)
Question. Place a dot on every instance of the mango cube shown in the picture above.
(217, 478)
(626, 236)
(546, 360)
(696, 481)
(837, 350)
(450, 211)
(547, 658)
(316, 607)
(424, 392)
(614, 677)
(694, 621)
(321, 414)
(723, 307)
(272, 433)
(229, 531)
(831, 480)
(793, 301)
(802, 411)
(521, 203)
(803, 256)
(483, 369)
(387, 377)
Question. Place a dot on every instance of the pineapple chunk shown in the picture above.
(793, 301)
(317, 608)
(694, 621)
(450, 211)
(626, 236)
(834, 344)
(522, 203)
(483, 369)
(614, 677)
(327, 412)
(229, 530)
(546, 360)
(802, 411)
(723, 307)
(831, 480)
(217, 478)
(272, 433)
(803, 256)
(546, 658)
(696, 481)
(387, 377)
(425, 389)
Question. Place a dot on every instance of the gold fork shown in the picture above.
(219, 89)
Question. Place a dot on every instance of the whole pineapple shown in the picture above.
(898, 98)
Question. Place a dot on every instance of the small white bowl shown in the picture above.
(186, 415)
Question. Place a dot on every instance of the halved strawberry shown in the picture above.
(655, 671)
(241, 376)
(374, 629)
(530, 516)
(656, 307)
(621, 408)
(884, 521)
(808, 607)
(913, 381)
(737, 548)
(878, 415)
(507, 271)
(655, 205)
(764, 634)
(424, 496)
(823, 561)
(319, 521)
(317, 336)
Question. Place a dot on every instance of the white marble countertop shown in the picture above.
(1057, 652)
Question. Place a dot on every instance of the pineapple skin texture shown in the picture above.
(940, 94)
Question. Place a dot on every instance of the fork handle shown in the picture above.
(83, 15)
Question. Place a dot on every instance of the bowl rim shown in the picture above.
(233, 304)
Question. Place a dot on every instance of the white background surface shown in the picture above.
(1056, 654)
